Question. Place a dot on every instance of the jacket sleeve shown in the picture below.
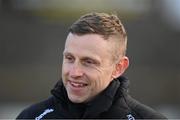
(35, 110)
(25, 114)
(142, 111)
(29, 113)
(148, 113)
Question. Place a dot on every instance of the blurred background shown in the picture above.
(33, 33)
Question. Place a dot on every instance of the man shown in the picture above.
(92, 84)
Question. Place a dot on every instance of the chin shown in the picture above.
(76, 99)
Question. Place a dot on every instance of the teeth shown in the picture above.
(77, 84)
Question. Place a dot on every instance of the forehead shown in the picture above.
(87, 45)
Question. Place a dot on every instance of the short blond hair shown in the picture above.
(104, 24)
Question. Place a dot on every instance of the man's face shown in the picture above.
(87, 66)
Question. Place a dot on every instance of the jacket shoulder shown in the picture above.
(34, 110)
(142, 111)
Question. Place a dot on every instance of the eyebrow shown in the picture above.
(66, 53)
(93, 59)
(84, 57)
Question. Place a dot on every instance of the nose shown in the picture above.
(75, 71)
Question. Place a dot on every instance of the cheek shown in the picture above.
(105, 77)
(99, 79)
(65, 71)
(65, 68)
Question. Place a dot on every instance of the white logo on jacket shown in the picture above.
(130, 117)
(44, 113)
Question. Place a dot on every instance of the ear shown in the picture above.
(120, 67)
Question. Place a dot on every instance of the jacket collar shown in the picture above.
(101, 103)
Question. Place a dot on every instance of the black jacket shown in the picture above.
(113, 102)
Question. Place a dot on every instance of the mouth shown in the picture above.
(77, 84)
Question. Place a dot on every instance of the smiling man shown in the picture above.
(92, 84)
(88, 67)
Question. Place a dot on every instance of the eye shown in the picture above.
(69, 58)
(88, 62)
